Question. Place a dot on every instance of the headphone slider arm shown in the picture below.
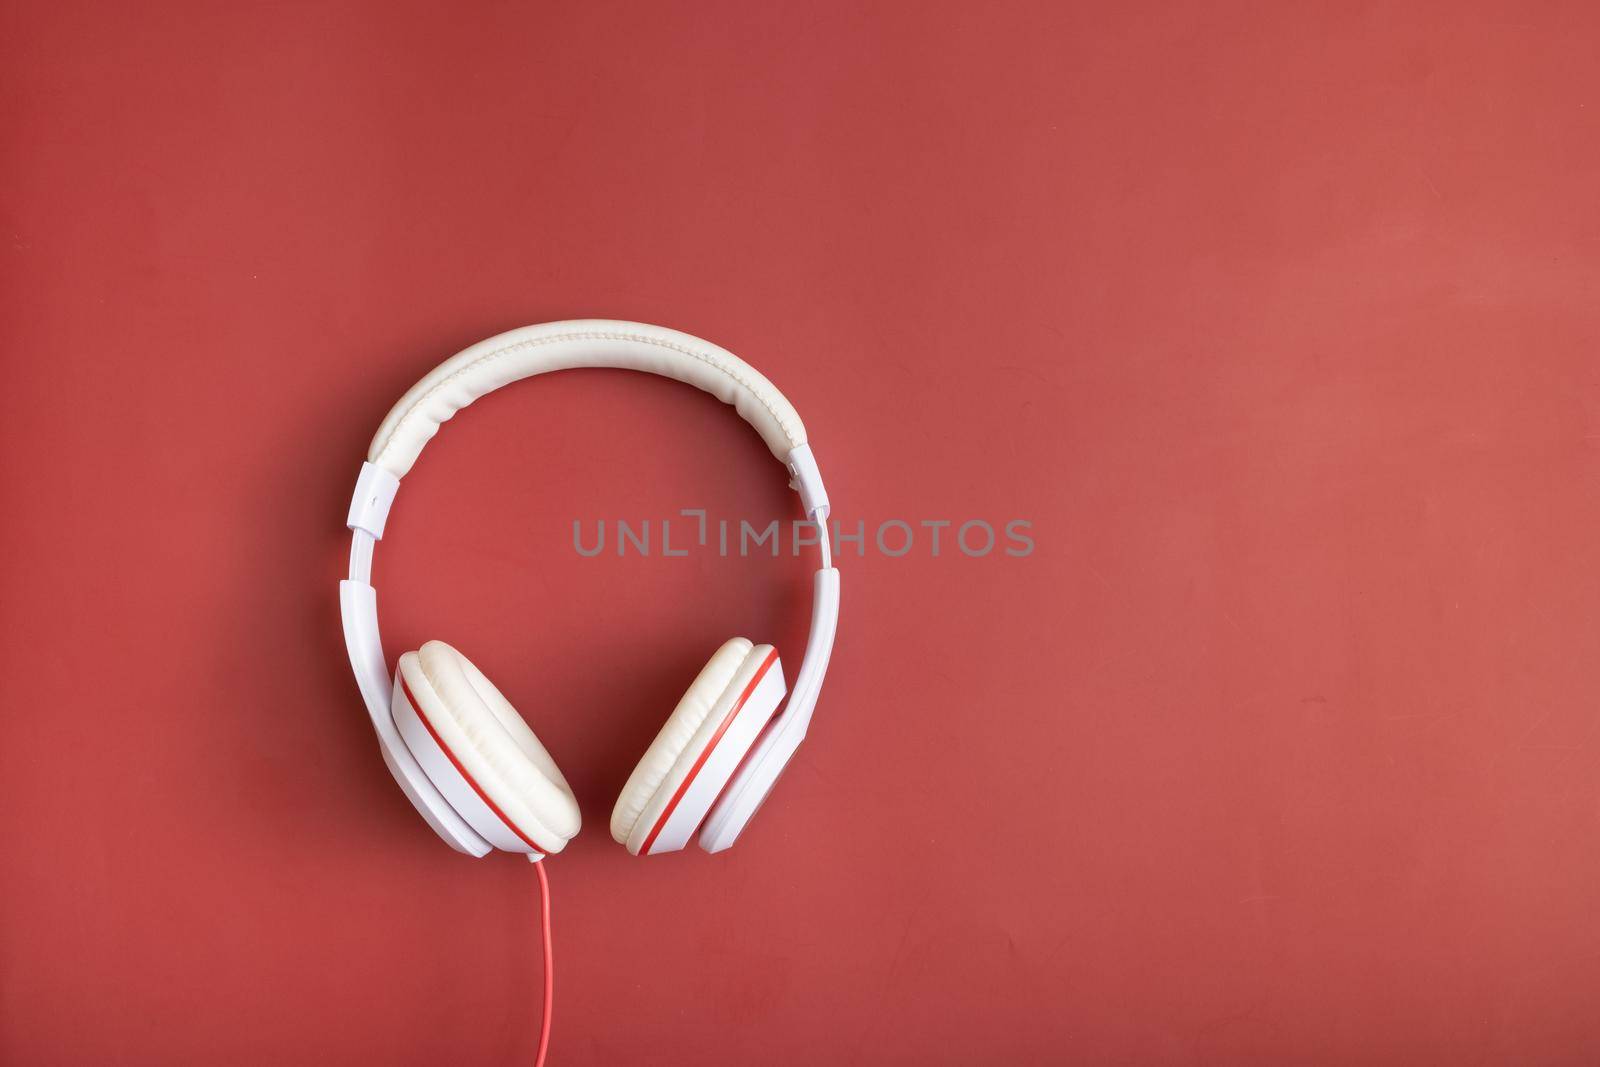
(807, 479)
(369, 506)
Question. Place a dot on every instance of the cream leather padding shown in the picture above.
(689, 729)
(488, 365)
(487, 736)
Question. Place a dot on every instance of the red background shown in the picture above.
(1278, 322)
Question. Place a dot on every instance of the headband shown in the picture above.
(510, 357)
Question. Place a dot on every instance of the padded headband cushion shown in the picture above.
(488, 365)
(493, 743)
(687, 728)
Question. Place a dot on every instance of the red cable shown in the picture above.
(549, 962)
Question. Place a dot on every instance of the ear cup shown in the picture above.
(480, 752)
(698, 749)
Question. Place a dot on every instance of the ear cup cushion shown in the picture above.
(683, 736)
(492, 744)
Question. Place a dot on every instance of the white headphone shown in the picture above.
(467, 760)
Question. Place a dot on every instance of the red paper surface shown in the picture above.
(1277, 323)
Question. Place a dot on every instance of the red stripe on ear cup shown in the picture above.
(772, 657)
(451, 756)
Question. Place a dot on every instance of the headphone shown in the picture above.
(459, 750)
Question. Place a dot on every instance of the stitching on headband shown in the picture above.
(587, 335)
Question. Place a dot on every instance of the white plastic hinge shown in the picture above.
(805, 478)
(369, 507)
